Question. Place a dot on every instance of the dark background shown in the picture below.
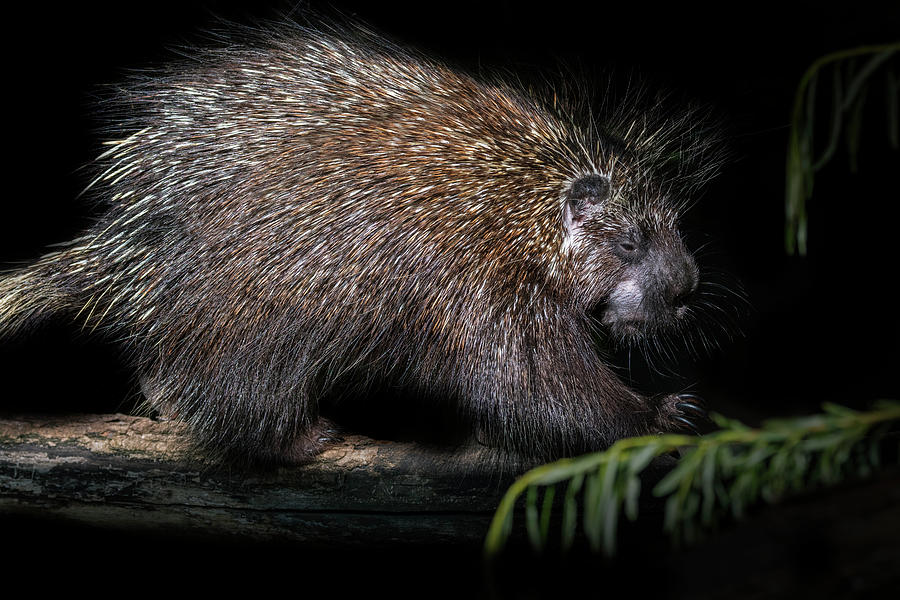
(821, 328)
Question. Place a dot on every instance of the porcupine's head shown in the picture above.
(621, 227)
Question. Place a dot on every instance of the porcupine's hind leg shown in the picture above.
(310, 442)
(155, 401)
(237, 414)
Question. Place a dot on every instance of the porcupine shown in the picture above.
(319, 209)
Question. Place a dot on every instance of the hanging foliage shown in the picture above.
(851, 72)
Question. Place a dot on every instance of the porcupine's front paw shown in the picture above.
(683, 412)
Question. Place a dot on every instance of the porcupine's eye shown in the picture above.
(630, 246)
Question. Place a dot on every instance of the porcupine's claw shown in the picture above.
(693, 413)
(331, 435)
(687, 422)
(691, 402)
(312, 442)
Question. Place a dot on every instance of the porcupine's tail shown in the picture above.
(31, 294)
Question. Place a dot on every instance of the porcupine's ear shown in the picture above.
(582, 196)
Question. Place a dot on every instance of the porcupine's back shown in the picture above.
(311, 205)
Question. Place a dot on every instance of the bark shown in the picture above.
(134, 473)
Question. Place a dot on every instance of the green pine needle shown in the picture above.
(719, 475)
(848, 99)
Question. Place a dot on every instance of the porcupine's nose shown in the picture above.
(676, 272)
(684, 278)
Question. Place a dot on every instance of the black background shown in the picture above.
(821, 328)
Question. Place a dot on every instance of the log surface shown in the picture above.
(134, 473)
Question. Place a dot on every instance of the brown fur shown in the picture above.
(317, 210)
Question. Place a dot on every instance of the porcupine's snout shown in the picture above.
(655, 292)
(679, 278)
